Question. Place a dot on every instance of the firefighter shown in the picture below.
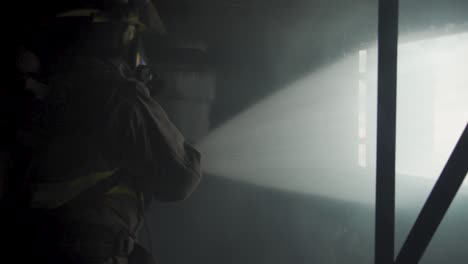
(100, 147)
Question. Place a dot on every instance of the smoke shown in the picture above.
(317, 135)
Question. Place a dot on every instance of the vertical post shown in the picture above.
(386, 131)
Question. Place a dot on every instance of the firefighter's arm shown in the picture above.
(177, 180)
(156, 151)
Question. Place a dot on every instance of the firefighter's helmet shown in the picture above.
(141, 13)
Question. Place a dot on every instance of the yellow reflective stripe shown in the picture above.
(135, 20)
(122, 189)
(94, 178)
(95, 14)
(53, 195)
(98, 17)
(78, 13)
(138, 59)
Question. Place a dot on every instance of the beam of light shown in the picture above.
(301, 139)
(317, 136)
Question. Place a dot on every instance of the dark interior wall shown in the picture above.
(260, 50)
(260, 46)
(264, 56)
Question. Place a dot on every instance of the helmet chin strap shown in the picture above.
(131, 43)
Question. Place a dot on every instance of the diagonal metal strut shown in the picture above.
(437, 204)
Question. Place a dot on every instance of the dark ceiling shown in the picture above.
(206, 17)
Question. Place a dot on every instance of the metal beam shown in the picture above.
(386, 131)
(437, 204)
